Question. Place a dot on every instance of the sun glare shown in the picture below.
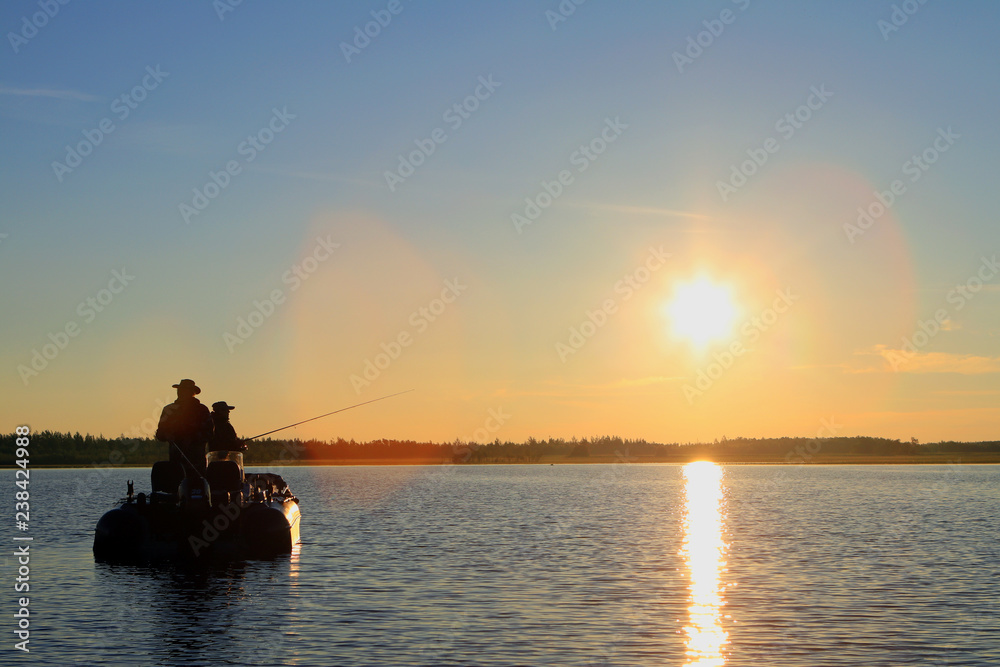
(701, 312)
(704, 552)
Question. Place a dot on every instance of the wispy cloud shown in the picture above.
(643, 382)
(167, 138)
(903, 361)
(313, 175)
(812, 367)
(991, 288)
(572, 391)
(958, 415)
(49, 93)
(642, 210)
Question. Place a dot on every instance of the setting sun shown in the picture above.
(701, 312)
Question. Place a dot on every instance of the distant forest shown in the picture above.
(55, 449)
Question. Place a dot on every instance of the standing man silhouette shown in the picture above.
(187, 425)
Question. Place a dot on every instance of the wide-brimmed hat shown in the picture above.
(219, 406)
(188, 384)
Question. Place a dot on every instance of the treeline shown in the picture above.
(53, 448)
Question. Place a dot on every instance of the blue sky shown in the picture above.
(656, 185)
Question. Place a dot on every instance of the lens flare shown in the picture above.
(703, 551)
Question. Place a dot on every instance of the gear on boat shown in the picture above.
(227, 514)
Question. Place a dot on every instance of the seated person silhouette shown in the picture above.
(224, 437)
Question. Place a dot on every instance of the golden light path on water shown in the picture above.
(704, 552)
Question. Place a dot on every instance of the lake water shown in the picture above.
(621, 564)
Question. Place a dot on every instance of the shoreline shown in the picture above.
(961, 458)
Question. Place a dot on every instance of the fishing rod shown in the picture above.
(184, 456)
(326, 415)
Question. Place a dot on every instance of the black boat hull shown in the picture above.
(137, 532)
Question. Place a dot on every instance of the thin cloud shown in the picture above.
(570, 392)
(986, 287)
(166, 138)
(643, 382)
(49, 93)
(312, 175)
(928, 415)
(642, 210)
(902, 361)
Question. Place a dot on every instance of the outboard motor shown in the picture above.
(165, 476)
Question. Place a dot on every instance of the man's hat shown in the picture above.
(219, 406)
(187, 384)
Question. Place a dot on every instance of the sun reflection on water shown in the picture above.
(703, 552)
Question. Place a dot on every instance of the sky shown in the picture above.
(670, 221)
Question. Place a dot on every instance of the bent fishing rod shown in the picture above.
(349, 407)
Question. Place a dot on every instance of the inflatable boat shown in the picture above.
(228, 514)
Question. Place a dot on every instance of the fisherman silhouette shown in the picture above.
(187, 425)
(224, 438)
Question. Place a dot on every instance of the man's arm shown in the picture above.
(237, 444)
(207, 426)
(164, 429)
